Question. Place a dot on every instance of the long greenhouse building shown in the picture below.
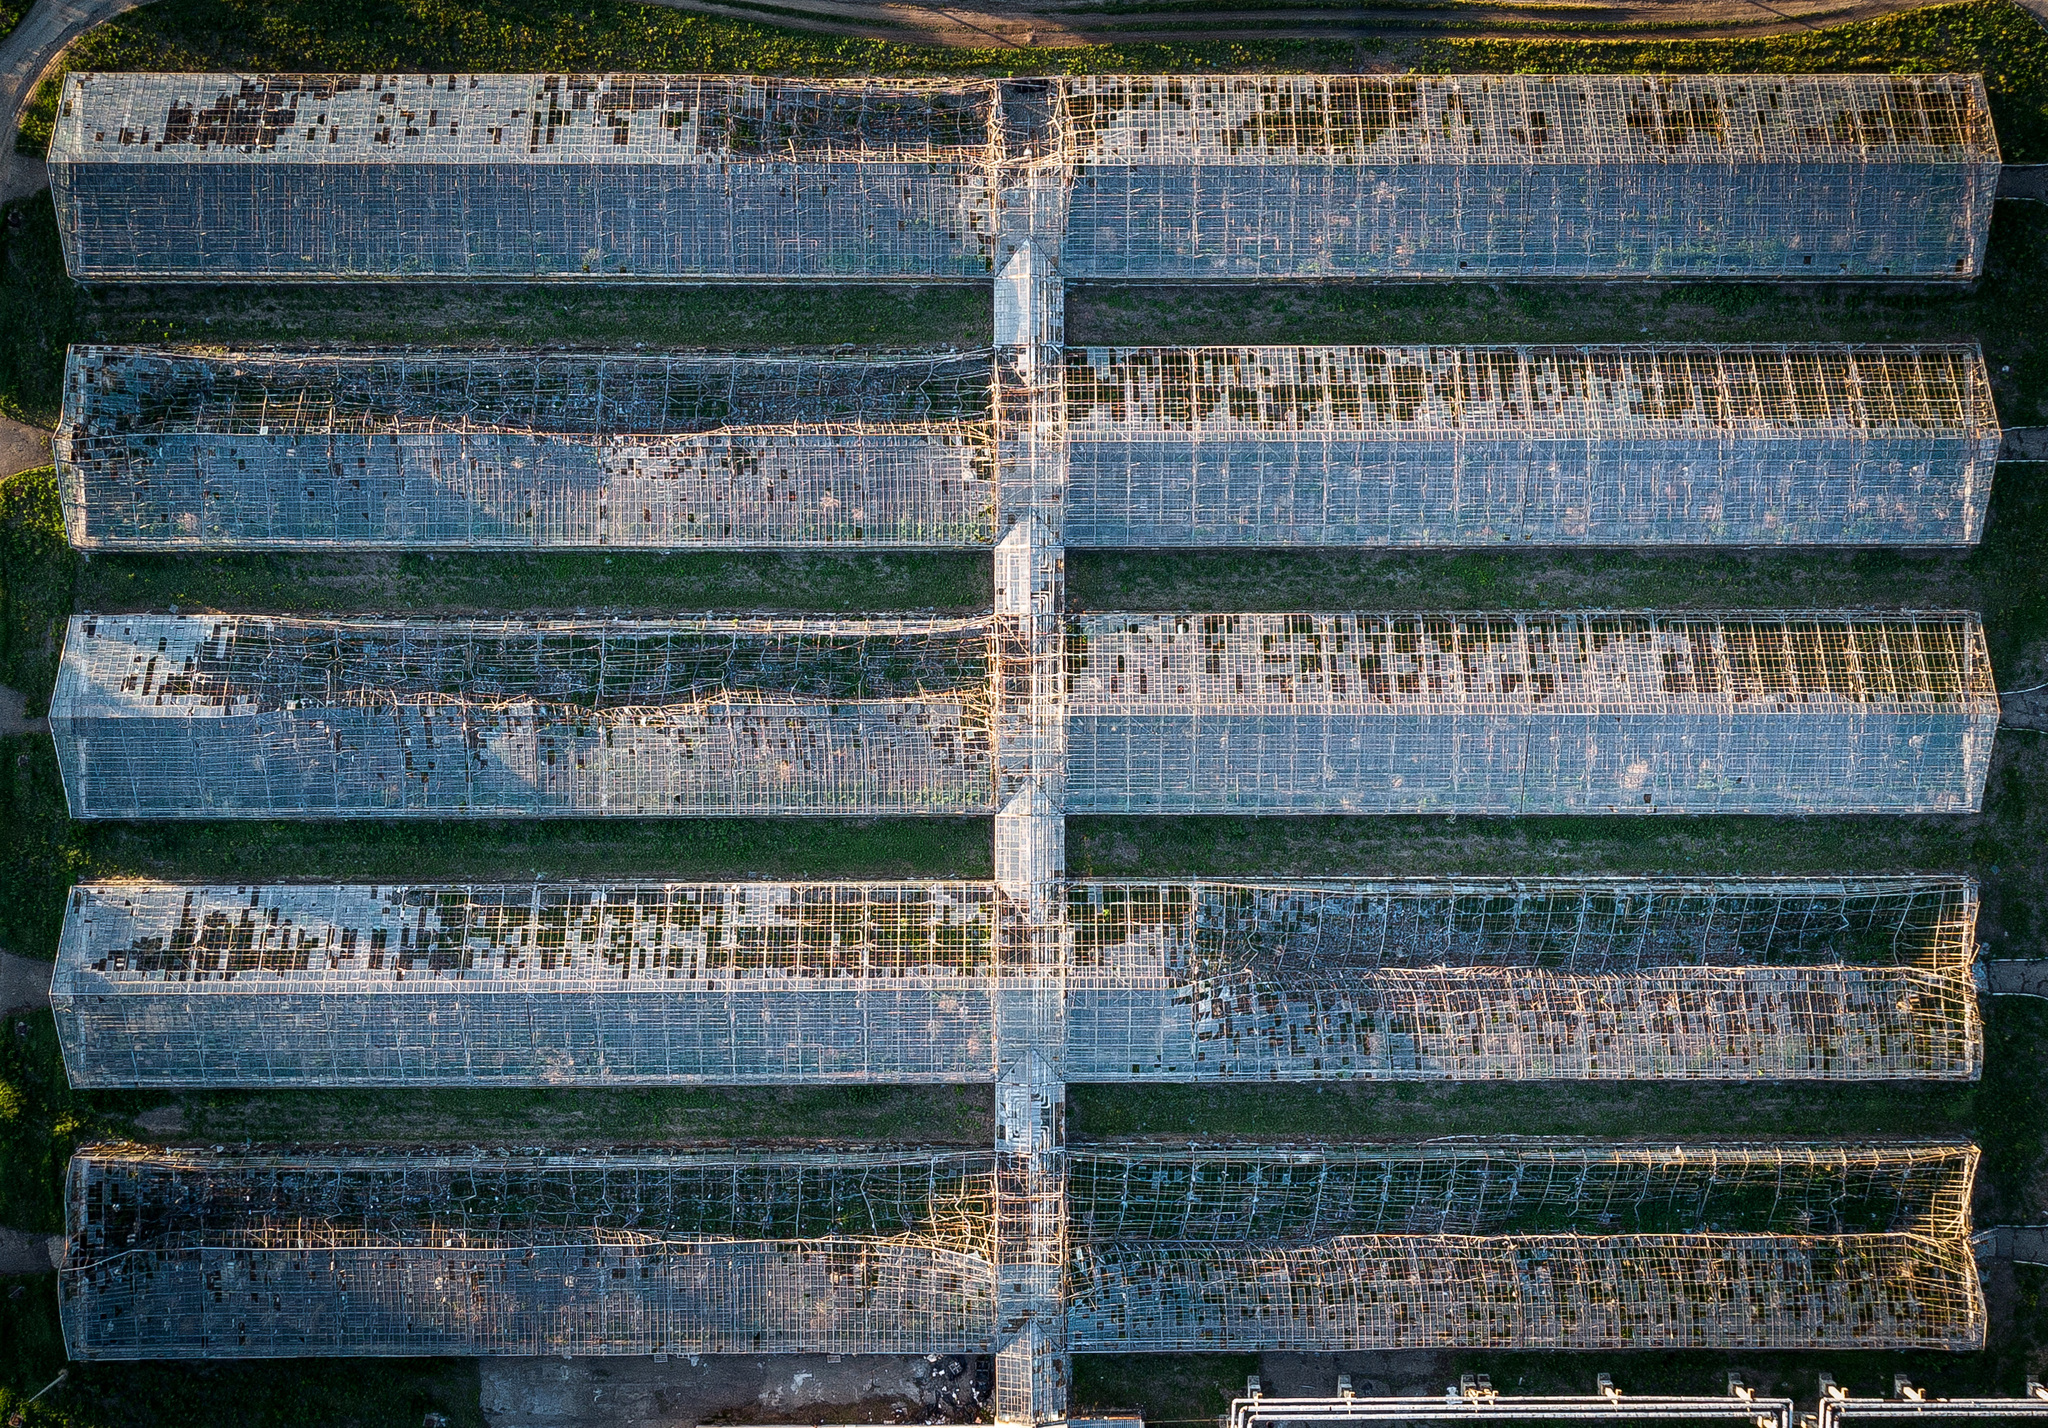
(634, 177)
(1511, 1245)
(551, 984)
(1156, 447)
(1603, 713)
(170, 716)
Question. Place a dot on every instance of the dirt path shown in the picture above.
(1077, 22)
(25, 56)
(22, 448)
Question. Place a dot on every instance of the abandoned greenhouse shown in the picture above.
(520, 176)
(1522, 1244)
(1479, 446)
(1028, 1249)
(1814, 444)
(247, 716)
(167, 716)
(179, 1255)
(261, 449)
(165, 984)
(1518, 713)
(1243, 177)
(1516, 979)
(212, 177)
(529, 984)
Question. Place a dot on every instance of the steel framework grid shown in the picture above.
(652, 177)
(182, 1254)
(1488, 446)
(1264, 177)
(282, 450)
(1511, 1244)
(517, 177)
(1580, 712)
(1583, 712)
(263, 716)
(1521, 1245)
(1162, 447)
(162, 984)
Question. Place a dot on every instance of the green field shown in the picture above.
(41, 583)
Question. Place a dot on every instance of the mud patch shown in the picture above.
(24, 983)
(22, 1252)
(22, 448)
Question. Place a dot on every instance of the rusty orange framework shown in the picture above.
(1512, 1244)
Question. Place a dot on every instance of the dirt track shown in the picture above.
(1075, 22)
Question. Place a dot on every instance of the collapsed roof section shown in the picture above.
(267, 716)
(177, 1254)
(282, 450)
(162, 984)
(1580, 712)
(1514, 1244)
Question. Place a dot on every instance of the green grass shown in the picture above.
(36, 572)
(895, 1115)
(42, 1119)
(496, 584)
(39, 310)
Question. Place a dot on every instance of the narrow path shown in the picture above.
(2014, 977)
(25, 56)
